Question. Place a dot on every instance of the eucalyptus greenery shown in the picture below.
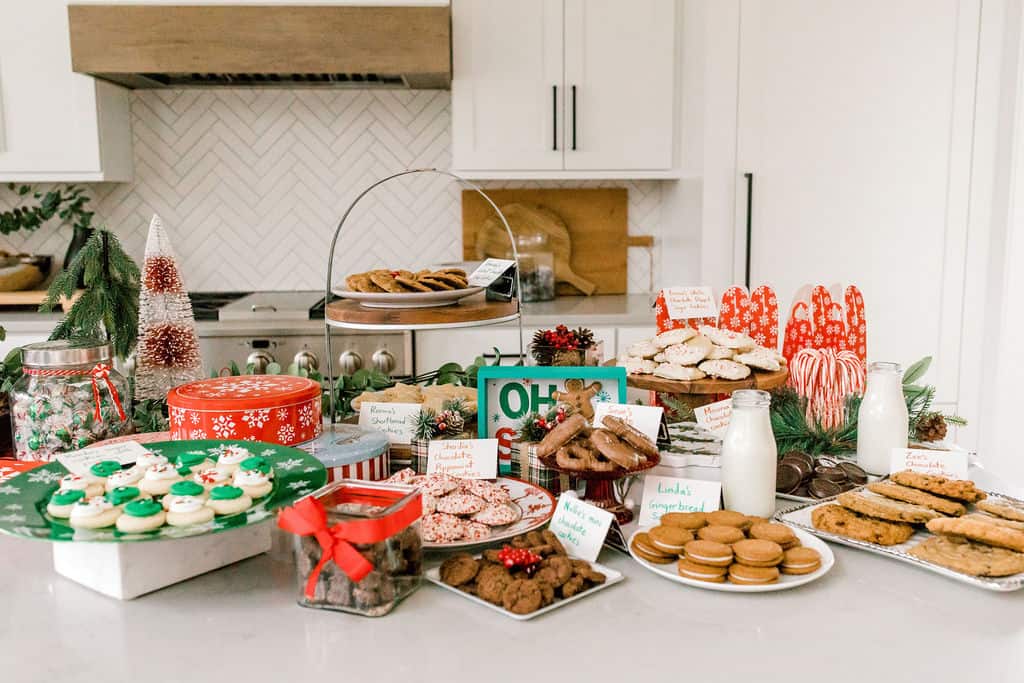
(68, 204)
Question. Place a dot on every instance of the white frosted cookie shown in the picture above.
(193, 462)
(93, 513)
(676, 336)
(685, 354)
(254, 482)
(144, 514)
(759, 358)
(128, 477)
(659, 358)
(188, 510)
(720, 353)
(61, 503)
(642, 349)
(727, 338)
(89, 485)
(671, 371)
(639, 366)
(148, 459)
(725, 369)
(183, 488)
(228, 500)
(211, 477)
(231, 458)
(158, 479)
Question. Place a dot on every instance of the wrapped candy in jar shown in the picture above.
(68, 397)
(357, 546)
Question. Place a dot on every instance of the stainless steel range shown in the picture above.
(261, 328)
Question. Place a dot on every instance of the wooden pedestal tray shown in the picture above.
(600, 489)
(700, 392)
(469, 312)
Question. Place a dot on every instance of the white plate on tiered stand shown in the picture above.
(444, 297)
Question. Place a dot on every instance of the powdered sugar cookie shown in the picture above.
(188, 510)
(725, 369)
(660, 358)
(460, 504)
(639, 366)
(150, 459)
(437, 485)
(474, 531)
(211, 477)
(679, 335)
(642, 349)
(727, 338)
(231, 457)
(673, 371)
(183, 488)
(93, 513)
(228, 500)
(759, 358)
(89, 485)
(141, 515)
(61, 503)
(496, 515)
(188, 463)
(128, 477)
(442, 528)
(158, 479)
(720, 353)
(255, 483)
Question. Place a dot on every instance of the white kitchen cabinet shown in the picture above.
(563, 88)
(55, 125)
(856, 121)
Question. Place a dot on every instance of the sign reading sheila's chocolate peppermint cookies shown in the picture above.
(674, 494)
(463, 458)
(581, 527)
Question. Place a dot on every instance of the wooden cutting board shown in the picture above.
(597, 219)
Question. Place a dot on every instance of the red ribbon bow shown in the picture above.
(308, 518)
(101, 372)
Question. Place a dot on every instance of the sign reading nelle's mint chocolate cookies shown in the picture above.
(580, 527)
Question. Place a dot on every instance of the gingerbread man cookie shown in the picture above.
(578, 396)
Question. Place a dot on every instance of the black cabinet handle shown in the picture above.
(750, 212)
(574, 118)
(554, 118)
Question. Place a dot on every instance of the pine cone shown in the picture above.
(452, 420)
(931, 427)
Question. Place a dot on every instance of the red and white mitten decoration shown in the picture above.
(856, 323)
(825, 377)
(764, 321)
(823, 323)
(734, 313)
(799, 333)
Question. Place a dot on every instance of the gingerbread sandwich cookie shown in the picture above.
(756, 552)
(720, 534)
(691, 521)
(708, 552)
(800, 560)
(773, 531)
(701, 572)
(646, 550)
(745, 575)
(669, 539)
(729, 518)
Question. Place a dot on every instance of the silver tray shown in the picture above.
(799, 516)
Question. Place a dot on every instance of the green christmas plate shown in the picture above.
(23, 498)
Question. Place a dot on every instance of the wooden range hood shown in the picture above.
(172, 46)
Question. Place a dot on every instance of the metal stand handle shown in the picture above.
(334, 244)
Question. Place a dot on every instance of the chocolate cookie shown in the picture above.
(574, 585)
(522, 596)
(838, 520)
(964, 556)
(459, 569)
(561, 435)
(961, 489)
(631, 435)
(611, 447)
(491, 582)
(551, 539)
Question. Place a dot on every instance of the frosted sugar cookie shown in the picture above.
(158, 479)
(128, 477)
(122, 495)
(149, 459)
(89, 485)
(231, 458)
(93, 513)
(211, 477)
(144, 514)
(183, 488)
(104, 468)
(61, 502)
(188, 510)
(187, 463)
(253, 482)
(257, 462)
(228, 500)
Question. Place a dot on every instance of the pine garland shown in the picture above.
(109, 305)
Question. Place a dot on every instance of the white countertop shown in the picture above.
(870, 619)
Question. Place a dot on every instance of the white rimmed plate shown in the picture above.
(445, 297)
(785, 582)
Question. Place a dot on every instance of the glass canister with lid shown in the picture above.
(68, 397)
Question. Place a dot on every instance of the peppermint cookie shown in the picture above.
(141, 515)
(255, 483)
(639, 366)
(158, 479)
(89, 485)
(122, 495)
(188, 463)
(727, 338)
(642, 349)
(725, 369)
(720, 353)
(687, 354)
(492, 493)
(93, 513)
(404, 476)
(228, 500)
(763, 359)
(127, 477)
(496, 514)
(188, 510)
(183, 488)
(437, 485)
(460, 504)
(61, 503)
(674, 371)
(441, 528)
(475, 531)
(680, 335)
(211, 477)
(231, 458)
(150, 459)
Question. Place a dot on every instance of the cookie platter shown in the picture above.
(800, 517)
(406, 289)
(408, 299)
(785, 581)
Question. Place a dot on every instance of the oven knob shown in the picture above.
(349, 362)
(306, 360)
(259, 360)
(383, 360)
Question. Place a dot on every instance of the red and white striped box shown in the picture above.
(351, 452)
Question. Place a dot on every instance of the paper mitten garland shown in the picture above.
(756, 315)
(822, 323)
(734, 313)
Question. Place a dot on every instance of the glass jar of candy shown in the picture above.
(68, 397)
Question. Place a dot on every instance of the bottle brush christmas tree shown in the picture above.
(168, 346)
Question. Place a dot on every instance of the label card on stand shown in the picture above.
(645, 418)
(397, 420)
(715, 417)
(489, 271)
(683, 303)
(949, 464)
(464, 458)
(581, 527)
(79, 462)
(673, 494)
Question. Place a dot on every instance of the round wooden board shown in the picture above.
(473, 311)
(759, 379)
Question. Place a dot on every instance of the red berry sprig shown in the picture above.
(518, 557)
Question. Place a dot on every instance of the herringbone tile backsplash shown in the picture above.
(251, 183)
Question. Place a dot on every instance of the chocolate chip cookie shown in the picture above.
(968, 557)
(1003, 507)
(838, 520)
(885, 508)
(975, 530)
(917, 497)
(961, 489)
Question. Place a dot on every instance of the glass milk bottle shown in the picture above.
(882, 420)
(749, 456)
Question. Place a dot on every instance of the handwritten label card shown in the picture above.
(645, 418)
(949, 464)
(581, 527)
(672, 494)
(489, 271)
(715, 417)
(683, 303)
(397, 420)
(465, 458)
(79, 462)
